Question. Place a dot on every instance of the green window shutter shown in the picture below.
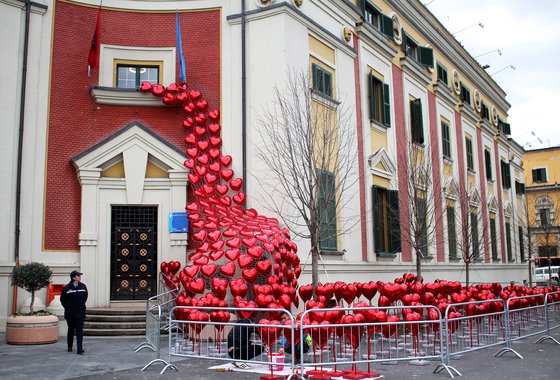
(416, 121)
(494, 242)
(543, 175)
(488, 165)
(474, 235)
(521, 244)
(327, 80)
(470, 161)
(371, 97)
(508, 172)
(327, 212)
(386, 105)
(508, 242)
(377, 222)
(362, 4)
(387, 26)
(314, 74)
(506, 129)
(394, 221)
(426, 56)
(451, 232)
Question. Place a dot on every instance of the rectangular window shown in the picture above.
(470, 157)
(485, 112)
(445, 140)
(451, 232)
(494, 239)
(465, 94)
(131, 76)
(488, 164)
(421, 54)
(506, 174)
(474, 235)
(442, 73)
(322, 80)
(327, 212)
(550, 250)
(521, 245)
(422, 220)
(508, 243)
(379, 101)
(544, 214)
(539, 175)
(416, 121)
(503, 127)
(386, 220)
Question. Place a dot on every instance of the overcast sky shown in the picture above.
(527, 32)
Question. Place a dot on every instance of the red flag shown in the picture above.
(93, 57)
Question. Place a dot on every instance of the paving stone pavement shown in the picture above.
(114, 358)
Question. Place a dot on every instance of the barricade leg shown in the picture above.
(508, 348)
(444, 365)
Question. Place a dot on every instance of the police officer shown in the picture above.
(73, 298)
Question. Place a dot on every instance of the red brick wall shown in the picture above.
(75, 123)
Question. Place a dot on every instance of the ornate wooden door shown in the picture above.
(133, 253)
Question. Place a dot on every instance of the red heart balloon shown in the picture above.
(236, 184)
(225, 160)
(244, 261)
(228, 269)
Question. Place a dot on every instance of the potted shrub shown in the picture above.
(35, 327)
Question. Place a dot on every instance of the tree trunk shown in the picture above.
(418, 263)
(314, 269)
(32, 302)
(467, 277)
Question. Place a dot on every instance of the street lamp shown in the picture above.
(488, 52)
(502, 69)
(467, 27)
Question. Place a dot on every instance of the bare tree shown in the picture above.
(526, 221)
(546, 226)
(418, 205)
(308, 145)
(470, 242)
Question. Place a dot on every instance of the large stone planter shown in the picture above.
(32, 329)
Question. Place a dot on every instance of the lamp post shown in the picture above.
(502, 69)
(488, 52)
(467, 27)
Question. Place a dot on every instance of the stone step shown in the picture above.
(116, 311)
(113, 332)
(115, 318)
(116, 326)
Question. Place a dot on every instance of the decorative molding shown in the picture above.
(452, 190)
(415, 70)
(381, 157)
(443, 92)
(468, 112)
(493, 204)
(474, 197)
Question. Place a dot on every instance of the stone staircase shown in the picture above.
(115, 321)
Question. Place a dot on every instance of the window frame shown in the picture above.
(506, 174)
(539, 175)
(485, 111)
(474, 235)
(509, 248)
(521, 244)
(137, 65)
(493, 240)
(386, 220)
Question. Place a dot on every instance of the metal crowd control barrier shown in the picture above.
(471, 326)
(204, 333)
(526, 316)
(158, 308)
(552, 316)
(369, 335)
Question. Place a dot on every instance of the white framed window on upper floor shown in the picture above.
(445, 140)
(373, 16)
(416, 123)
(488, 164)
(322, 80)
(123, 68)
(465, 94)
(470, 155)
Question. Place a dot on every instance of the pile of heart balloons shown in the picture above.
(234, 247)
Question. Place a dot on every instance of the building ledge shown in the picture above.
(124, 97)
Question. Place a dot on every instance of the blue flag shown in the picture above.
(183, 73)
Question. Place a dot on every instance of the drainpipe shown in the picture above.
(20, 144)
(243, 99)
